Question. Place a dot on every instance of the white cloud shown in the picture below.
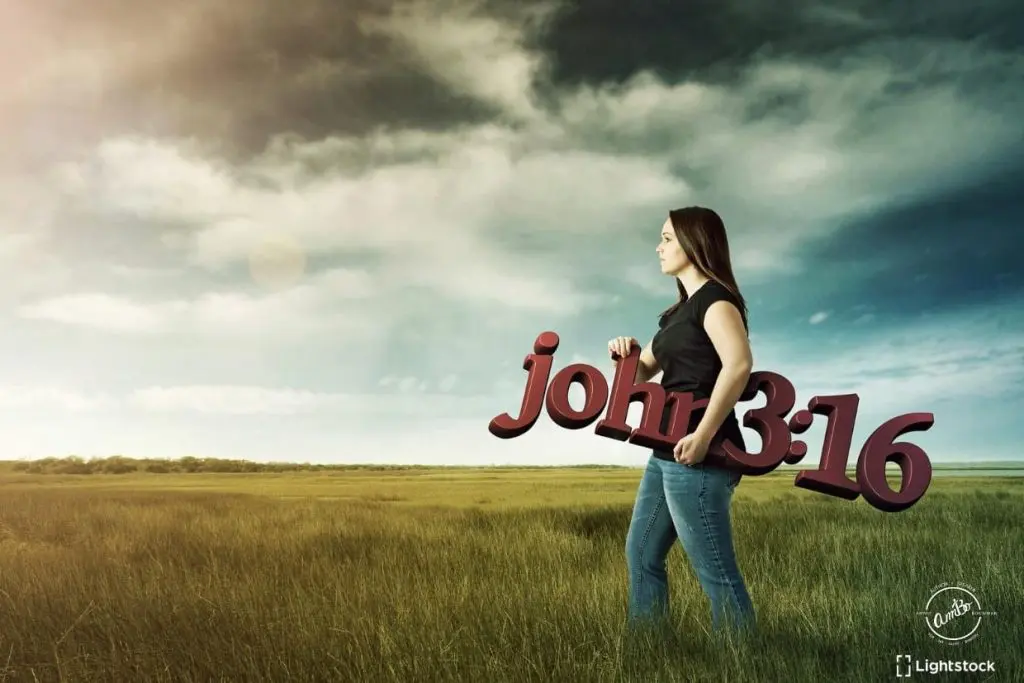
(52, 398)
(819, 317)
(473, 54)
(232, 400)
(313, 306)
(452, 211)
(99, 311)
(919, 367)
(16, 245)
(27, 214)
(780, 182)
(409, 400)
(435, 224)
(911, 367)
(840, 16)
(499, 220)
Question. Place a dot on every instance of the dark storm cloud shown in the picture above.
(598, 40)
(230, 72)
(237, 73)
(960, 251)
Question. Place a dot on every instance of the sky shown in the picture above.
(330, 232)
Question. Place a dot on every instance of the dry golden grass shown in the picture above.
(423, 575)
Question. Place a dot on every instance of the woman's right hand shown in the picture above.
(619, 347)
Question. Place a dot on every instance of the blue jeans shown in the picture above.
(690, 503)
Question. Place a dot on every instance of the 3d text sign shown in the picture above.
(769, 422)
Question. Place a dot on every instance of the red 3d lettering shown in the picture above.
(769, 421)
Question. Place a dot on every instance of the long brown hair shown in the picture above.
(701, 234)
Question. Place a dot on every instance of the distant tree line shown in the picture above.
(118, 464)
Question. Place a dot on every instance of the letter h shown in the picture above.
(625, 390)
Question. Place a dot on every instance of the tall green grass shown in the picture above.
(189, 578)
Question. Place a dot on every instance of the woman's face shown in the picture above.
(670, 253)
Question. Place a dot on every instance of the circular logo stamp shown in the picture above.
(953, 613)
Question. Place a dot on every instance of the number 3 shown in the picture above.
(768, 421)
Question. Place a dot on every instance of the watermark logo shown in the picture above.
(953, 613)
(907, 665)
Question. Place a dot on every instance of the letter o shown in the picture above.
(595, 389)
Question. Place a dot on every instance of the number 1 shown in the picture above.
(830, 477)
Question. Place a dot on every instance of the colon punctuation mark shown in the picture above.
(769, 421)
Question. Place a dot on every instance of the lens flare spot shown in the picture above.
(277, 263)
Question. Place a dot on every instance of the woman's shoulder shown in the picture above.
(697, 305)
(713, 291)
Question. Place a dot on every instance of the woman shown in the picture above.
(701, 347)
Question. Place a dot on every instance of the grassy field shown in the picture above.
(473, 575)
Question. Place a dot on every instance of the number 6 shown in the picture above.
(880, 448)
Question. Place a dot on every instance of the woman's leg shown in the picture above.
(698, 500)
(650, 537)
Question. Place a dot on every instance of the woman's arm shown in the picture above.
(724, 326)
(647, 367)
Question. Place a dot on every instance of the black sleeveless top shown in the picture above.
(689, 361)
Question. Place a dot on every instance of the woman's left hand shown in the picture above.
(691, 450)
